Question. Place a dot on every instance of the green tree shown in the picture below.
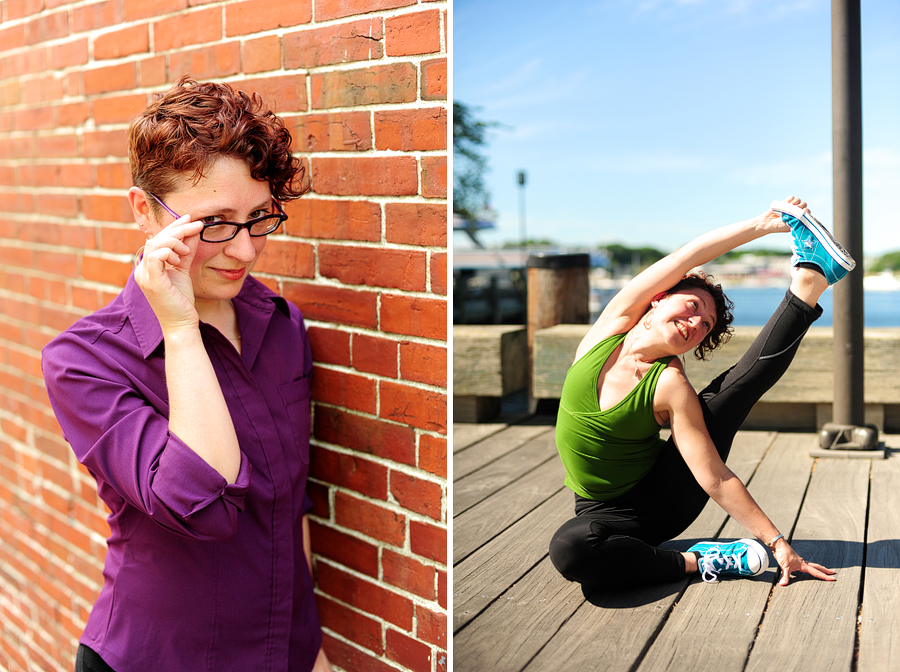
(470, 195)
(886, 262)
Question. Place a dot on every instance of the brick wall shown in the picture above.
(362, 85)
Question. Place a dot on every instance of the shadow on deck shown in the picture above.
(513, 612)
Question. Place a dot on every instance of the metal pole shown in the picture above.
(846, 93)
(521, 180)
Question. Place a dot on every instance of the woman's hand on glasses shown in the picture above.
(164, 274)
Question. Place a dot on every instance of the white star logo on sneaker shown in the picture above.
(808, 244)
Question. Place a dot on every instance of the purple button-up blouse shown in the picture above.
(200, 574)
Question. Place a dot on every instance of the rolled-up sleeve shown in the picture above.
(118, 428)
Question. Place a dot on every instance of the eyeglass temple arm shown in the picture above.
(165, 207)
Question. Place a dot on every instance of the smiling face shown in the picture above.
(684, 318)
(226, 192)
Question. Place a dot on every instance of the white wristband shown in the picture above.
(772, 543)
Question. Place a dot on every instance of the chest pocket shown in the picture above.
(295, 396)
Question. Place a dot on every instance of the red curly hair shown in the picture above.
(190, 126)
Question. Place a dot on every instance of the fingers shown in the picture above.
(798, 202)
(814, 569)
(174, 242)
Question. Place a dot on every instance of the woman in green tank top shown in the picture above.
(633, 491)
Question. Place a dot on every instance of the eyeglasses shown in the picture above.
(220, 232)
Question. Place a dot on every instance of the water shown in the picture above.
(754, 305)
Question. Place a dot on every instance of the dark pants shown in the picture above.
(614, 543)
(88, 661)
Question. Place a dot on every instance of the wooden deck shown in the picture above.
(512, 611)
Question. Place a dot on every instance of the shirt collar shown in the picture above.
(254, 295)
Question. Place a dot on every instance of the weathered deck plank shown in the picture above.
(504, 507)
(714, 626)
(879, 646)
(812, 624)
(514, 613)
(481, 483)
(492, 569)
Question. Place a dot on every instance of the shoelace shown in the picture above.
(715, 562)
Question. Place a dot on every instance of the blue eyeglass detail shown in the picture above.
(221, 232)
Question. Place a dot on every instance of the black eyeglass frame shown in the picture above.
(280, 216)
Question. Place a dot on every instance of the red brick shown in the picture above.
(334, 132)
(414, 316)
(410, 653)
(101, 269)
(416, 494)
(261, 54)
(47, 27)
(350, 471)
(145, 9)
(413, 406)
(439, 273)
(218, 60)
(378, 85)
(428, 541)
(13, 37)
(198, 26)
(55, 146)
(369, 435)
(433, 455)
(411, 130)
(370, 519)
(342, 548)
(431, 626)
(374, 355)
(333, 304)
(253, 16)
(344, 389)
(118, 109)
(284, 93)
(123, 42)
(434, 79)
(409, 574)
(106, 143)
(366, 595)
(329, 346)
(287, 257)
(338, 43)
(23, 63)
(337, 9)
(365, 176)
(152, 71)
(110, 78)
(33, 119)
(349, 657)
(67, 54)
(98, 15)
(114, 175)
(413, 34)
(423, 363)
(58, 205)
(442, 589)
(434, 176)
(106, 208)
(353, 625)
(9, 93)
(125, 240)
(71, 114)
(344, 220)
(376, 267)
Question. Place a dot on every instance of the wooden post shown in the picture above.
(558, 293)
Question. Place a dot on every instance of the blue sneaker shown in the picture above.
(814, 244)
(745, 557)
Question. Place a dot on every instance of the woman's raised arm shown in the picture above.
(632, 302)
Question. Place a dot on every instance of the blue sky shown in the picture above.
(647, 122)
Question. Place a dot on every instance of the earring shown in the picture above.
(138, 256)
(647, 319)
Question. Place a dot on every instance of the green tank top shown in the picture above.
(606, 453)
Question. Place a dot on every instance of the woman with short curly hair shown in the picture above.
(634, 491)
(187, 398)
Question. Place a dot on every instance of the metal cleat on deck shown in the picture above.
(848, 441)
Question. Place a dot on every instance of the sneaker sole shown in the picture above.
(834, 249)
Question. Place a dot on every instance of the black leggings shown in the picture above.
(614, 543)
(87, 660)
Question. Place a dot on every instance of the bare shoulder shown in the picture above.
(673, 384)
(600, 330)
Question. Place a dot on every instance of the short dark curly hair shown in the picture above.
(187, 128)
(721, 332)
